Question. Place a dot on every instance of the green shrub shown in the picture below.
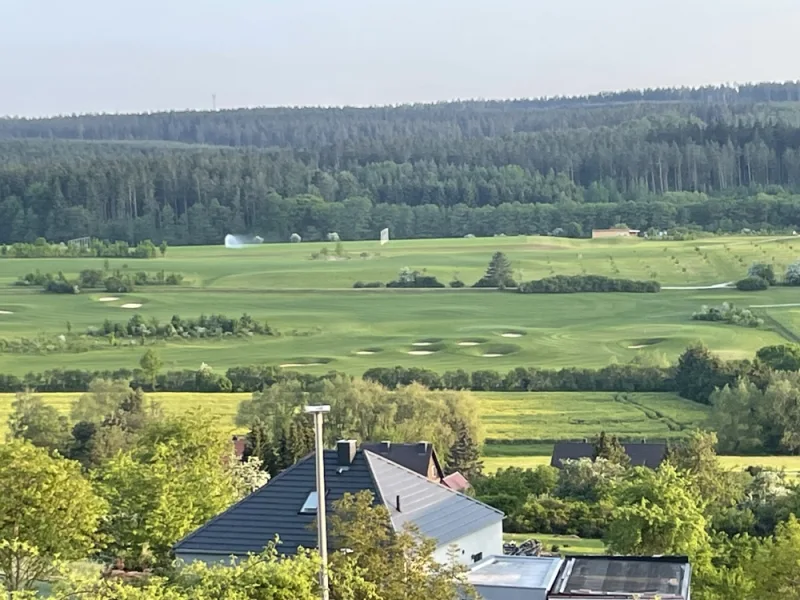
(752, 284)
(570, 284)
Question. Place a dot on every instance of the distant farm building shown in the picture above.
(607, 233)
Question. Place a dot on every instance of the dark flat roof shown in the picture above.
(623, 577)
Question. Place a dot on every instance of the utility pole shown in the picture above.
(214, 102)
(322, 531)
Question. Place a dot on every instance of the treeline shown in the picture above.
(41, 248)
(116, 281)
(199, 327)
(571, 284)
(629, 378)
(423, 171)
(317, 128)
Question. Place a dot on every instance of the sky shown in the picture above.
(82, 56)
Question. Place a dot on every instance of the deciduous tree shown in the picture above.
(48, 512)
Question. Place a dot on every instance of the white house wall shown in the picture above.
(487, 542)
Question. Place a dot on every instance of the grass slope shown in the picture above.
(282, 266)
(567, 544)
(586, 330)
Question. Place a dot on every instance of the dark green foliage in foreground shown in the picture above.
(784, 357)
(571, 284)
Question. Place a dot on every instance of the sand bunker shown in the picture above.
(365, 352)
(108, 299)
(511, 335)
(420, 352)
(422, 343)
(637, 346)
(6, 312)
(295, 365)
(131, 305)
(469, 343)
(492, 355)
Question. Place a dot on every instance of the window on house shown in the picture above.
(310, 505)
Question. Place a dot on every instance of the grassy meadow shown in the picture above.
(525, 425)
(325, 324)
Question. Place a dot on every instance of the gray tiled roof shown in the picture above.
(645, 454)
(437, 511)
(411, 456)
(274, 509)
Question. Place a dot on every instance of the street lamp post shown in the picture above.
(322, 532)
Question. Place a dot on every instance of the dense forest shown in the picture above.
(716, 158)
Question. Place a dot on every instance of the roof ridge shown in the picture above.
(368, 455)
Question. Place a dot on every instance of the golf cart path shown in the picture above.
(716, 286)
(775, 305)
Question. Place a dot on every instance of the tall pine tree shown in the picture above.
(498, 273)
(464, 456)
(610, 448)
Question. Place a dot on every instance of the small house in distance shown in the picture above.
(642, 454)
(614, 233)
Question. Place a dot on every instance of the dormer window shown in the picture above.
(310, 505)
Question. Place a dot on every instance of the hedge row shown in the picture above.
(571, 284)
(627, 378)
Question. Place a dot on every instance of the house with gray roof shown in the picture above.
(286, 508)
(641, 454)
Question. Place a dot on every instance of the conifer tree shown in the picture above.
(610, 448)
(498, 273)
(464, 456)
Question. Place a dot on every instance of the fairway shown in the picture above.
(290, 266)
(336, 328)
(323, 320)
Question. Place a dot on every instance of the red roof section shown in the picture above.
(456, 482)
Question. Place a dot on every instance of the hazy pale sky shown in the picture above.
(64, 56)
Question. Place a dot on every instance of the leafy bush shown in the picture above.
(117, 285)
(61, 286)
(792, 276)
(764, 271)
(202, 327)
(41, 248)
(91, 278)
(570, 284)
(752, 284)
(37, 278)
(369, 284)
(414, 279)
(728, 313)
